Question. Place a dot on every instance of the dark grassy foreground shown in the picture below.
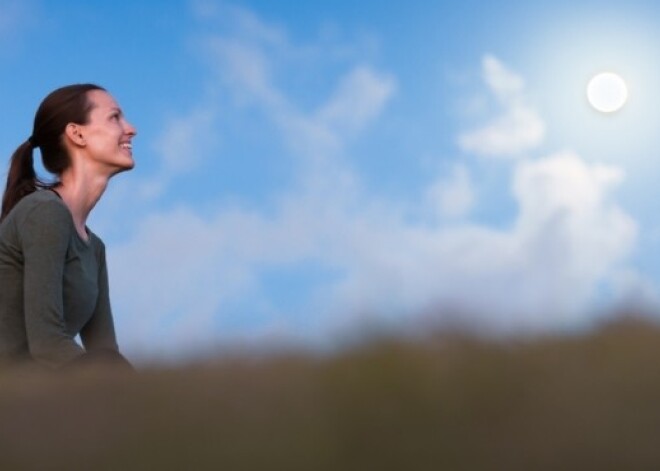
(447, 403)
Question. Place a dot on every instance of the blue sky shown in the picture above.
(306, 169)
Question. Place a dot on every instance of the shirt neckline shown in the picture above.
(87, 241)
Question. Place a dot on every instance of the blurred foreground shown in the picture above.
(447, 402)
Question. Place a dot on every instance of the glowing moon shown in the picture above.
(607, 92)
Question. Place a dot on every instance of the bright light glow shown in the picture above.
(607, 92)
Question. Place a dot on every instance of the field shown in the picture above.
(444, 402)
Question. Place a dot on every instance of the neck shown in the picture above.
(81, 194)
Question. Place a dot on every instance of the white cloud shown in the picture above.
(542, 273)
(187, 268)
(245, 67)
(360, 97)
(518, 129)
(633, 291)
(505, 84)
(181, 148)
(184, 139)
(246, 62)
(575, 236)
(198, 276)
(451, 197)
(239, 22)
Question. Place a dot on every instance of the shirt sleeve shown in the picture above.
(99, 332)
(45, 238)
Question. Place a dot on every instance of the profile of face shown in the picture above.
(107, 135)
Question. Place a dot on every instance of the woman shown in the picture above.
(53, 278)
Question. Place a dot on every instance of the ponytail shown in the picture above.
(68, 104)
(21, 179)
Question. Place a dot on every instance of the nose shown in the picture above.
(130, 129)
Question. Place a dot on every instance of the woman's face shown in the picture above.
(107, 134)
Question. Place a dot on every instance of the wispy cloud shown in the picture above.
(182, 147)
(517, 129)
(236, 245)
(201, 278)
(452, 196)
(245, 63)
(360, 97)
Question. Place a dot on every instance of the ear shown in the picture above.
(73, 133)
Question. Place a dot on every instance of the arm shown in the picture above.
(98, 335)
(99, 332)
(45, 236)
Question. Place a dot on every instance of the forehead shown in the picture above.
(101, 100)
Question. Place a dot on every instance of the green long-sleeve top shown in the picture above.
(53, 285)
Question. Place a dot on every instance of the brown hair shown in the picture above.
(65, 105)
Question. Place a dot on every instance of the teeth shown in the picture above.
(127, 146)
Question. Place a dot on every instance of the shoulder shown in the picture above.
(43, 203)
(41, 212)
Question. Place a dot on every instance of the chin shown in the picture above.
(123, 167)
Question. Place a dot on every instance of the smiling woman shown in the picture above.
(607, 92)
(53, 276)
